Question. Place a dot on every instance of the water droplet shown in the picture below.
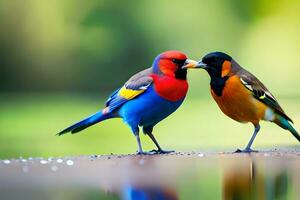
(6, 162)
(59, 160)
(141, 162)
(54, 168)
(25, 169)
(43, 162)
(70, 162)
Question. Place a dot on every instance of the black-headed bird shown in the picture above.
(241, 96)
(146, 98)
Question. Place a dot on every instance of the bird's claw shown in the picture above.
(160, 151)
(155, 152)
(245, 151)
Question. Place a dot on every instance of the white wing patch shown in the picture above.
(270, 95)
(247, 85)
(265, 93)
(144, 87)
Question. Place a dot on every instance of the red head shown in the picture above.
(171, 63)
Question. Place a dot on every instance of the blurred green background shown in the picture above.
(60, 60)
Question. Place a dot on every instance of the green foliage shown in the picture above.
(96, 45)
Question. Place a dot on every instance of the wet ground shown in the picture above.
(195, 175)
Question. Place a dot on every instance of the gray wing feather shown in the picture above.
(140, 80)
(258, 89)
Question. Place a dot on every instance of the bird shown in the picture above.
(241, 96)
(146, 98)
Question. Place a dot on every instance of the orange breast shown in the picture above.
(238, 103)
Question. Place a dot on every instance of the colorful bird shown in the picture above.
(146, 98)
(241, 96)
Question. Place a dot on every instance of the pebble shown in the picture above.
(70, 162)
(94, 156)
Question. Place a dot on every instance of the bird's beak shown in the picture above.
(189, 64)
(193, 64)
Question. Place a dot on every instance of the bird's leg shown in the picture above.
(140, 149)
(159, 149)
(248, 147)
(137, 136)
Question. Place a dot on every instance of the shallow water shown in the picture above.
(268, 175)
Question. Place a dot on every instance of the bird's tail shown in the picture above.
(85, 123)
(284, 123)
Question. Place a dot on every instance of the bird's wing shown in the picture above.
(134, 87)
(260, 91)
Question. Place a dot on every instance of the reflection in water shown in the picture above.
(243, 178)
(246, 178)
(170, 177)
(149, 193)
(151, 186)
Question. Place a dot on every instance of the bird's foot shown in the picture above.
(144, 153)
(160, 151)
(247, 150)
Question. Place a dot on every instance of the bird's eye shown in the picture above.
(179, 62)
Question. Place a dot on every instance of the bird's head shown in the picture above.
(216, 64)
(173, 63)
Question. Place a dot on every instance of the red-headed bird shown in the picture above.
(241, 96)
(146, 98)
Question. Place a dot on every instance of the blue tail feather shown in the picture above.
(85, 123)
(284, 123)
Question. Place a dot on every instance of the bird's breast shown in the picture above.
(238, 103)
(170, 88)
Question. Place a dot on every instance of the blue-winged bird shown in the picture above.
(146, 98)
(241, 96)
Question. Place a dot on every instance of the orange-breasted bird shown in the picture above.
(241, 96)
(146, 98)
